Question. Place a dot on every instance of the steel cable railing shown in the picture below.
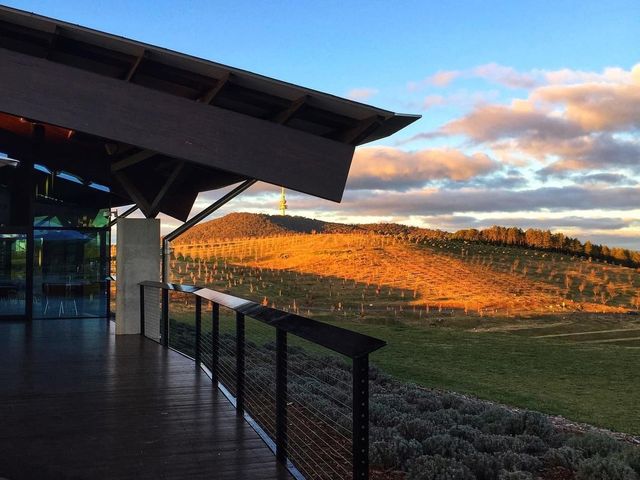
(302, 384)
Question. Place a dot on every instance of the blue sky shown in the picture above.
(527, 106)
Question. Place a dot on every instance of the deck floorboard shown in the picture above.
(78, 402)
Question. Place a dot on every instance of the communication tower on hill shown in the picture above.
(283, 203)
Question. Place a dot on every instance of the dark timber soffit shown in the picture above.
(184, 107)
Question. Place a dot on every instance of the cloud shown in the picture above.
(443, 78)
(596, 106)
(588, 152)
(438, 79)
(567, 128)
(604, 178)
(506, 76)
(510, 77)
(496, 122)
(567, 76)
(390, 168)
(435, 201)
(361, 94)
(431, 101)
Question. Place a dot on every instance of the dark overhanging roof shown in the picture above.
(175, 112)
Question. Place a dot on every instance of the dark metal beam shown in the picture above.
(124, 214)
(133, 192)
(177, 127)
(132, 160)
(154, 207)
(166, 250)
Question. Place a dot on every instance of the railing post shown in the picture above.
(142, 310)
(165, 317)
(215, 342)
(360, 432)
(239, 363)
(198, 330)
(281, 395)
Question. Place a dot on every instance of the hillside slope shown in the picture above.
(252, 225)
(425, 275)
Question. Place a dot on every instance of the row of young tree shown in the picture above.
(545, 240)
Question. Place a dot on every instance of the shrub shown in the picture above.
(438, 468)
(381, 434)
(520, 461)
(609, 468)
(507, 475)
(530, 444)
(446, 446)
(482, 465)
(591, 444)
(396, 453)
(466, 432)
(444, 418)
(534, 423)
(416, 428)
(565, 457)
(494, 443)
(632, 456)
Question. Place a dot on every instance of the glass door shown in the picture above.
(13, 274)
(70, 277)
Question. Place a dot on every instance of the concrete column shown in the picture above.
(137, 259)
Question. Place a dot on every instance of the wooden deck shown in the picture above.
(78, 402)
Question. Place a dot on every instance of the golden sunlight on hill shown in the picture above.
(429, 275)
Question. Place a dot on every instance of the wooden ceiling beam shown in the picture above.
(131, 160)
(154, 208)
(295, 107)
(210, 136)
(215, 90)
(361, 130)
(134, 193)
(53, 40)
(136, 64)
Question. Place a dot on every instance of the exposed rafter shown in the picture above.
(136, 64)
(53, 40)
(296, 106)
(361, 130)
(132, 160)
(134, 193)
(213, 92)
(154, 207)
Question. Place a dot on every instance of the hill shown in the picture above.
(249, 225)
(534, 328)
(252, 225)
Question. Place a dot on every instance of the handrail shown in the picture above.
(351, 344)
(340, 340)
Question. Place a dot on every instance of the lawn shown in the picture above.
(592, 383)
(510, 325)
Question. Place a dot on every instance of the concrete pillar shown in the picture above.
(137, 259)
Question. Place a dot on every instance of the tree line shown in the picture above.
(545, 240)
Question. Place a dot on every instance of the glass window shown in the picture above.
(13, 268)
(70, 273)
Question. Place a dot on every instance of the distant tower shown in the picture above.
(283, 203)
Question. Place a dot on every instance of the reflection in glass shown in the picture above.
(13, 264)
(70, 273)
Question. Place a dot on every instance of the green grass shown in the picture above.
(591, 383)
(494, 358)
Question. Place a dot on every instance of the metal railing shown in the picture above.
(302, 384)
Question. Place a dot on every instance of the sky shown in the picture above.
(530, 109)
